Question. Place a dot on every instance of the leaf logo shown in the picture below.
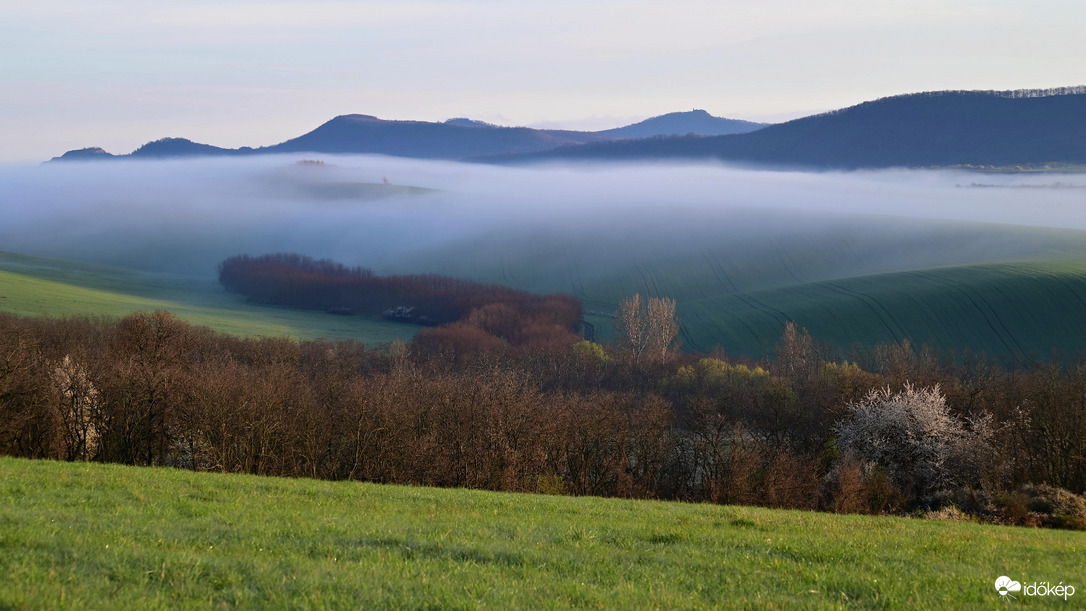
(1005, 585)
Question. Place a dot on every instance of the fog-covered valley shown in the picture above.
(857, 257)
(185, 216)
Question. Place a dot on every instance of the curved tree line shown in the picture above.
(297, 281)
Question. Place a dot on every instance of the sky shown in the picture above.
(81, 73)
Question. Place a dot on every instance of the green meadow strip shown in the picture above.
(84, 536)
(31, 286)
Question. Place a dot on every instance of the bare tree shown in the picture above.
(630, 325)
(661, 326)
(796, 359)
(647, 328)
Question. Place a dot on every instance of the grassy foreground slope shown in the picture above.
(106, 536)
(34, 286)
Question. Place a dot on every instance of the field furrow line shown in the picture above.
(786, 262)
(688, 339)
(866, 300)
(1002, 337)
(741, 321)
(1038, 288)
(747, 298)
(721, 274)
(1070, 286)
(644, 280)
(995, 313)
(754, 304)
(572, 281)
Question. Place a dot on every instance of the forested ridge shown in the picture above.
(931, 129)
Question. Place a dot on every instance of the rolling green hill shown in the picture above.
(35, 286)
(1021, 310)
(1017, 293)
(103, 536)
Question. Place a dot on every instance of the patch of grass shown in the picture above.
(33, 286)
(103, 536)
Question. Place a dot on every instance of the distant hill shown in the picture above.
(682, 123)
(944, 128)
(454, 139)
(421, 139)
(947, 128)
(469, 122)
(179, 147)
(87, 154)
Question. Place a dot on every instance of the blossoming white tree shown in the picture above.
(913, 435)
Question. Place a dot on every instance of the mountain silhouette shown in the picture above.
(947, 128)
(696, 122)
(93, 153)
(934, 129)
(421, 139)
(179, 147)
(453, 139)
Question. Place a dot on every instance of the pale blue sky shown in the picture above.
(256, 72)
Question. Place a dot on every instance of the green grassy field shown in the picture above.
(104, 536)
(34, 286)
(1022, 310)
(1014, 292)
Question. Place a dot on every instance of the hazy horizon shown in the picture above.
(258, 72)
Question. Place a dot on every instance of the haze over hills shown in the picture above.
(162, 148)
(92, 153)
(946, 128)
(454, 139)
(449, 140)
(934, 129)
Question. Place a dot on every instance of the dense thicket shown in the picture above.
(479, 315)
(150, 389)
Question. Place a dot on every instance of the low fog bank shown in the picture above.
(186, 216)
